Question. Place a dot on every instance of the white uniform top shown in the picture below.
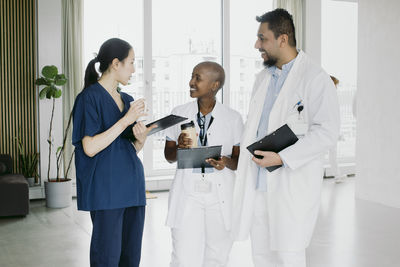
(226, 130)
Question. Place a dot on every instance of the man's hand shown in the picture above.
(269, 159)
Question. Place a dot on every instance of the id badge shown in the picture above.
(300, 128)
(202, 186)
(297, 124)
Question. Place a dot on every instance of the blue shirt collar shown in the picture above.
(285, 68)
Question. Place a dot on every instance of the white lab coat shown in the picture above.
(294, 191)
(225, 130)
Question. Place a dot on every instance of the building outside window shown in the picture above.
(125, 23)
(193, 40)
(243, 35)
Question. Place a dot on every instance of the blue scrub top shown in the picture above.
(114, 177)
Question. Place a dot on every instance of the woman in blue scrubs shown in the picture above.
(110, 177)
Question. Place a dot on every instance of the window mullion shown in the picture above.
(147, 75)
(225, 24)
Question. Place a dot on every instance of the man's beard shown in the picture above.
(271, 60)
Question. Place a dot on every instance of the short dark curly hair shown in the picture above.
(280, 22)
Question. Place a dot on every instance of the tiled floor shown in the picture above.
(349, 233)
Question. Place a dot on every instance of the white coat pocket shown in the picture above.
(297, 123)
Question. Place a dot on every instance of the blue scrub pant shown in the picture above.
(117, 237)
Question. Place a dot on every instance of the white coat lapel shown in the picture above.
(255, 109)
(245, 185)
(279, 111)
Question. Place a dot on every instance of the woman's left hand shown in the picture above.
(140, 131)
(217, 164)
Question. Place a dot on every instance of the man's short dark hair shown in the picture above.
(280, 22)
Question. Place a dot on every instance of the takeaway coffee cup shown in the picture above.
(190, 130)
(142, 118)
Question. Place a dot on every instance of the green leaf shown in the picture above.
(60, 79)
(49, 71)
(43, 92)
(59, 149)
(49, 93)
(57, 93)
(42, 81)
(28, 164)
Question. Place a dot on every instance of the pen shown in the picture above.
(297, 104)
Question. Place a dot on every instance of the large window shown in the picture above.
(104, 19)
(245, 60)
(184, 33)
(339, 58)
(169, 39)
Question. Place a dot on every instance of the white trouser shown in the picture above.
(201, 239)
(333, 162)
(263, 256)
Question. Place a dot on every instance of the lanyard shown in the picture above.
(201, 121)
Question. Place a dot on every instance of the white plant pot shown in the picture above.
(31, 181)
(58, 194)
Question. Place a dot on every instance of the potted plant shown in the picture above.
(28, 163)
(57, 189)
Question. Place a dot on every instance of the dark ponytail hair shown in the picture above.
(110, 49)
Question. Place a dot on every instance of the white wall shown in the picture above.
(49, 53)
(378, 102)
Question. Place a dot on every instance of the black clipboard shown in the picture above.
(165, 123)
(189, 158)
(162, 124)
(275, 142)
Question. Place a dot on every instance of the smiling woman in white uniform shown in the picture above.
(200, 201)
